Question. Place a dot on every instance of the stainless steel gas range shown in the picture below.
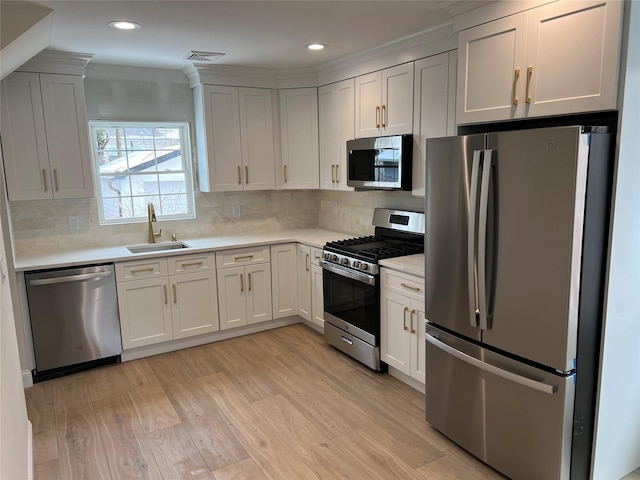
(351, 281)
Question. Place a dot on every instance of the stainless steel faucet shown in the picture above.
(151, 216)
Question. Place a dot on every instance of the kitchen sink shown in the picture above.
(157, 247)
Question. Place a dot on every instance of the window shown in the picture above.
(141, 163)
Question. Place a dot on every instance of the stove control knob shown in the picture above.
(365, 266)
(334, 258)
(357, 264)
(345, 261)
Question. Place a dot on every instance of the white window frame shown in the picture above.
(185, 147)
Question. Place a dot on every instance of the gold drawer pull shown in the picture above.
(141, 270)
(318, 257)
(243, 257)
(404, 317)
(417, 289)
(412, 312)
(239, 175)
(44, 180)
(306, 262)
(516, 76)
(55, 179)
(337, 173)
(529, 73)
(382, 117)
(164, 289)
(246, 175)
(378, 116)
(241, 283)
(249, 280)
(285, 174)
(175, 296)
(192, 264)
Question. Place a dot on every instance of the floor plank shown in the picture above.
(244, 470)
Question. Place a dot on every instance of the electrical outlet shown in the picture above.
(235, 211)
(74, 223)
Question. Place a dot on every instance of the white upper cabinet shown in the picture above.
(234, 129)
(45, 137)
(299, 132)
(555, 59)
(384, 102)
(336, 126)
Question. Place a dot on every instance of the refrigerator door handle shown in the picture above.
(513, 377)
(482, 240)
(471, 240)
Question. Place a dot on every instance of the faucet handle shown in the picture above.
(158, 233)
(174, 237)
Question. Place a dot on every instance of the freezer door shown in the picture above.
(450, 294)
(516, 418)
(534, 232)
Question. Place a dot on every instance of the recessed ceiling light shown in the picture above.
(316, 46)
(124, 25)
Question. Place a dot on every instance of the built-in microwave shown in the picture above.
(380, 163)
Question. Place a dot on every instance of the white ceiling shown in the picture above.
(268, 34)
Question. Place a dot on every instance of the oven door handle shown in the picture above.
(345, 272)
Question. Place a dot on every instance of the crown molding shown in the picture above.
(53, 61)
(231, 75)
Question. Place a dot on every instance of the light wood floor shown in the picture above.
(274, 405)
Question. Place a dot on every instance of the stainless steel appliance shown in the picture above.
(515, 248)
(351, 282)
(380, 163)
(74, 319)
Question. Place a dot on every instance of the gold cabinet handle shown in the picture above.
(239, 175)
(383, 116)
(246, 175)
(318, 257)
(175, 296)
(249, 280)
(516, 76)
(241, 284)
(243, 257)
(141, 270)
(55, 180)
(44, 180)
(378, 116)
(412, 312)
(285, 174)
(404, 317)
(417, 289)
(529, 73)
(164, 290)
(191, 264)
(337, 173)
(306, 262)
(333, 174)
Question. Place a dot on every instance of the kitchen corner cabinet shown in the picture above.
(384, 102)
(45, 137)
(299, 138)
(556, 59)
(317, 288)
(283, 280)
(402, 323)
(244, 286)
(304, 282)
(235, 132)
(434, 110)
(336, 125)
(166, 299)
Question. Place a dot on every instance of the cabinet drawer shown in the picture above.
(191, 263)
(402, 283)
(242, 256)
(141, 269)
(316, 255)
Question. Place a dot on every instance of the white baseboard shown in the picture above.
(27, 379)
(403, 377)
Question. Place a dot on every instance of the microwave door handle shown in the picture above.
(482, 240)
(471, 240)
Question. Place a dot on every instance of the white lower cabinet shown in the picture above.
(304, 282)
(166, 299)
(317, 300)
(283, 280)
(402, 323)
(244, 287)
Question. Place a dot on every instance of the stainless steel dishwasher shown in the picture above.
(74, 319)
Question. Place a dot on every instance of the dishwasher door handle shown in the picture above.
(71, 278)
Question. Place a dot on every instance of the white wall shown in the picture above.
(617, 443)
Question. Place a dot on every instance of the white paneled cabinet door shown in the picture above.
(256, 127)
(304, 282)
(232, 297)
(145, 313)
(299, 132)
(571, 57)
(491, 71)
(283, 280)
(328, 135)
(223, 166)
(317, 300)
(258, 288)
(368, 108)
(418, 347)
(194, 304)
(395, 332)
(345, 91)
(397, 100)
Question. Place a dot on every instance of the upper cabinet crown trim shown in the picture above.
(53, 61)
(494, 11)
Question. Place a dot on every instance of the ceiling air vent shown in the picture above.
(197, 56)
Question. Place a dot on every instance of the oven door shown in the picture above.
(352, 301)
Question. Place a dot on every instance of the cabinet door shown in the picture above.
(194, 304)
(368, 108)
(256, 128)
(397, 100)
(283, 280)
(328, 129)
(431, 117)
(222, 129)
(304, 282)
(258, 287)
(67, 131)
(395, 334)
(489, 56)
(145, 313)
(299, 124)
(24, 144)
(317, 300)
(576, 75)
(232, 297)
(418, 346)
(346, 129)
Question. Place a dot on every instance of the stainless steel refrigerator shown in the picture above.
(515, 248)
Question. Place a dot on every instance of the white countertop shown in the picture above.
(315, 237)
(411, 264)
